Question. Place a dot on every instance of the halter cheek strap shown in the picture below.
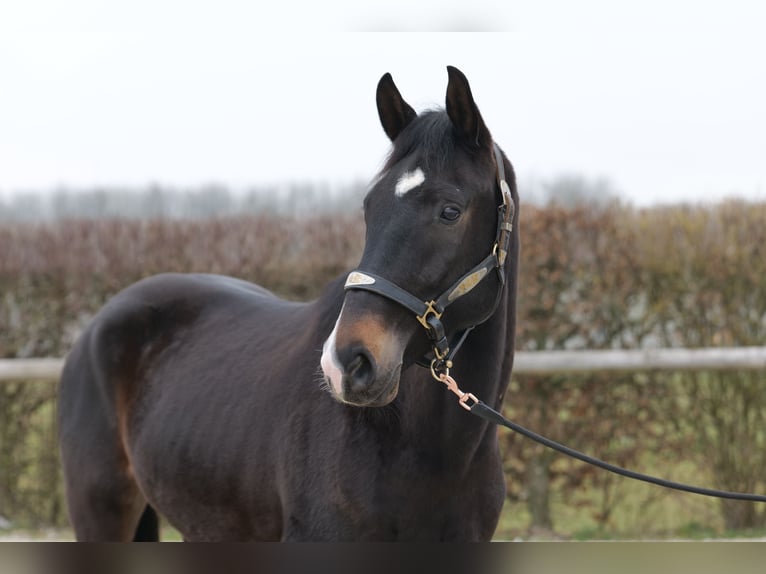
(506, 212)
(429, 313)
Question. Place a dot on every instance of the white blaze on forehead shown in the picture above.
(409, 180)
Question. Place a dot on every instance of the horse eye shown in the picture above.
(450, 213)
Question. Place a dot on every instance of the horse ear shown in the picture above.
(463, 112)
(395, 114)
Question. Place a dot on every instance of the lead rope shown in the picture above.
(481, 409)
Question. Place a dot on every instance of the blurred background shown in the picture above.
(188, 136)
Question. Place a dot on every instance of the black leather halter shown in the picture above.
(429, 313)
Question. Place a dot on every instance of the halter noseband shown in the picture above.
(429, 313)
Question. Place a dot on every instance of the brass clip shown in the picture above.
(463, 397)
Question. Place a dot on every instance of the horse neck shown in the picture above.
(486, 362)
(430, 414)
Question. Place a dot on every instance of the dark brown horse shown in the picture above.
(240, 416)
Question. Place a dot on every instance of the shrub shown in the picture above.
(609, 276)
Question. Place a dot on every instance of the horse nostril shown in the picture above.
(359, 372)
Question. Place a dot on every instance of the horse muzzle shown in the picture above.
(362, 360)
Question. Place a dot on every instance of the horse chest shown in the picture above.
(370, 494)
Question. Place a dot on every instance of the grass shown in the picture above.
(167, 534)
(690, 531)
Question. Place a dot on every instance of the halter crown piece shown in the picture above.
(429, 313)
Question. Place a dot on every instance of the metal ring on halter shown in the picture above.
(442, 366)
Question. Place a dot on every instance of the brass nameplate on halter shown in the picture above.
(506, 191)
(357, 278)
(467, 284)
(510, 206)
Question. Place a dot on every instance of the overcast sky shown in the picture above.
(665, 99)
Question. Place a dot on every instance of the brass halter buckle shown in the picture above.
(430, 310)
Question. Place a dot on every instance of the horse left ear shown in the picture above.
(395, 114)
(464, 113)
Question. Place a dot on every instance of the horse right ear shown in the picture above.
(395, 114)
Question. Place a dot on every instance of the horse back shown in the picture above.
(161, 318)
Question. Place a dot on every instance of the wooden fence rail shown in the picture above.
(526, 362)
(30, 369)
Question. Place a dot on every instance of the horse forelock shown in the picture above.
(431, 136)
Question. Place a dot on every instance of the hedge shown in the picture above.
(611, 276)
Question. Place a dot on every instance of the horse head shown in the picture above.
(431, 216)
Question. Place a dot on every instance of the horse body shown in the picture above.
(202, 396)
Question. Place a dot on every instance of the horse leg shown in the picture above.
(104, 501)
(105, 508)
(148, 529)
